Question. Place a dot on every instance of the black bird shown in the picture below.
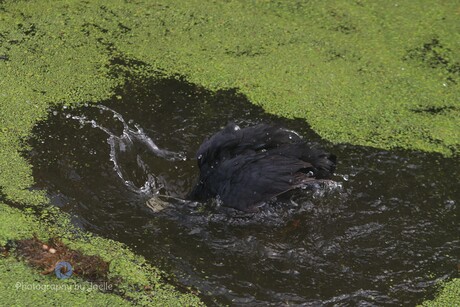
(246, 167)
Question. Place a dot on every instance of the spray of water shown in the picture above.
(123, 142)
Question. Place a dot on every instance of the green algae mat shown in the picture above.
(383, 73)
(133, 280)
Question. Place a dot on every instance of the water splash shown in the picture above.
(123, 144)
(385, 238)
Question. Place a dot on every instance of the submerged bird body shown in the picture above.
(246, 167)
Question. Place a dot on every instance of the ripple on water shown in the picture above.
(384, 233)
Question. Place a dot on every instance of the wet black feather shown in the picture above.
(246, 167)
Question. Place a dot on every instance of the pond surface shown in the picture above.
(386, 233)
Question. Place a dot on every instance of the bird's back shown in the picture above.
(245, 167)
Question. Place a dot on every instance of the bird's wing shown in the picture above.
(232, 141)
(246, 181)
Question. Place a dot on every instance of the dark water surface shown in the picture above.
(385, 234)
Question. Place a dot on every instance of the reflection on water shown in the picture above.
(385, 234)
